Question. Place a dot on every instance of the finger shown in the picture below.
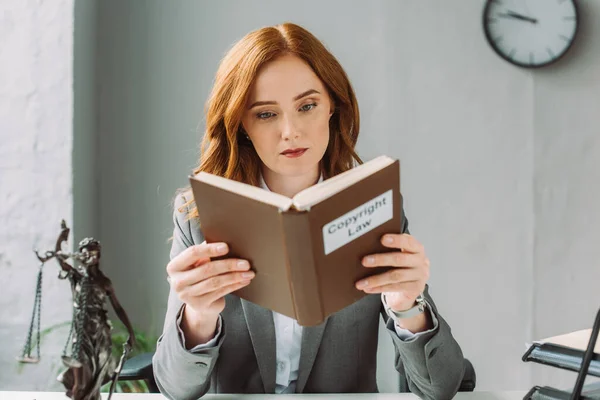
(395, 259)
(180, 280)
(405, 287)
(402, 241)
(218, 282)
(218, 267)
(395, 275)
(211, 297)
(194, 255)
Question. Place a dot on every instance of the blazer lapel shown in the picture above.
(262, 333)
(311, 340)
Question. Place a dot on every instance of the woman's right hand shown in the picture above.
(201, 284)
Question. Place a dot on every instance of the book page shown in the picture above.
(577, 340)
(243, 189)
(321, 191)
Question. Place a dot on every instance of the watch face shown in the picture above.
(530, 33)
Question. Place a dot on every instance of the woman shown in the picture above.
(282, 115)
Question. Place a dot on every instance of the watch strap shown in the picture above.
(417, 309)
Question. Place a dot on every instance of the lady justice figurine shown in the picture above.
(90, 364)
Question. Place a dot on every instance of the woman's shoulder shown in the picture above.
(183, 202)
(184, 218)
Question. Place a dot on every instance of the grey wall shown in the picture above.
(36, 139)
(499, 165)
(566, 184)
(85, 176)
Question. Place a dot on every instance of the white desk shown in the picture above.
(517, 395)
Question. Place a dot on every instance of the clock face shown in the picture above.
(530, 33)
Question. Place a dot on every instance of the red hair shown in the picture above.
(224, 149)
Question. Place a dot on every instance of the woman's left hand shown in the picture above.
(401, 285)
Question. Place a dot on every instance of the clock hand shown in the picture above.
(512, 14)
(523, 17)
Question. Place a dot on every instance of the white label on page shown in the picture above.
(357, 222)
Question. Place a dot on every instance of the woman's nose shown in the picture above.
(289, 129)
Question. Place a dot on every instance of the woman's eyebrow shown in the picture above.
(271, 102)
(307, 93)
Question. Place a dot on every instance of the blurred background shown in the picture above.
(101, 116)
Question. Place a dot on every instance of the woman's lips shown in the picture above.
(294, 153)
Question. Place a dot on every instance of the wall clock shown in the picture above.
(530, 33)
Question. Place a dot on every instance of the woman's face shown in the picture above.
(287, 117)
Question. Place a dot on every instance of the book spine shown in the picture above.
(302, 272)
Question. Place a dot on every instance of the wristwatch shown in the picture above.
(411, 312)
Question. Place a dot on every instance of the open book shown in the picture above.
(306, 250)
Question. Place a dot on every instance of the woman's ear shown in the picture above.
(331, 100)
(244, 133)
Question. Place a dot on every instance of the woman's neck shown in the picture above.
(289, 186)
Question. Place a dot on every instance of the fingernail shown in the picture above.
(221, 248)
(249, 274)
(243, 264)
(389, 240)
(370, 260)
(362, 284)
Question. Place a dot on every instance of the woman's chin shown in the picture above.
(296, 170)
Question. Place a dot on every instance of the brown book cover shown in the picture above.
(306, 251)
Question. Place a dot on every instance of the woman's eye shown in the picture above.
(265, 115)
(308, 107)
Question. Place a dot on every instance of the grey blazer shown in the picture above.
(338, 356)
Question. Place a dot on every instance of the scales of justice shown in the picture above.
(90, 364)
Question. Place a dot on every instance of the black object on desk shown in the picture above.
(140, 368)
(583, 362)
